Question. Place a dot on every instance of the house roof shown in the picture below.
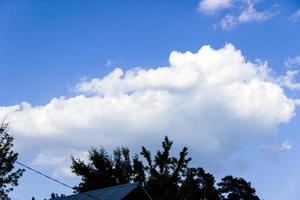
(111, 193)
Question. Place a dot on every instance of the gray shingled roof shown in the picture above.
(111, 193)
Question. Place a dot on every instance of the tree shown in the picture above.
(104, 170)
(8, 176)
(96, 174)
(122, 165)
(199, 185)
(236, 189)
(139, 174)
(55, 195)
(165, 172)
(164, 176)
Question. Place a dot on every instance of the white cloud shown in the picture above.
(289, 80)
(297, 102)
(292, 62)
(285, 146)
(248, 14)
(108, 62)
(273, 151)
(211, 6)
(295, 17)
(210, 100)
(60, 160)
(228, 22)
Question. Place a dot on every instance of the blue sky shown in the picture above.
(63, 58)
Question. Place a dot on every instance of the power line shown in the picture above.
(14, 198)
(40, 173)
(53, 179)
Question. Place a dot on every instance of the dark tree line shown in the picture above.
(164, 176)
(8, 175)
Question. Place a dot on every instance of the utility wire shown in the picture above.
(40, 173)
(14, 198)
(53, 179)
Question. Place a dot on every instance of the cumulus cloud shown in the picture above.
(248, 14)
(211, 100)
(295, 17)
(211, 6)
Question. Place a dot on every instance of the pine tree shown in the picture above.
(165, 172)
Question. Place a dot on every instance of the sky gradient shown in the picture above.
(217, 76)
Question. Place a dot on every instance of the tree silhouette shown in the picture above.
(96, 174)
(236, 189)
(164, 176)
(165, 172)
(55, 195)
(199, 185)
(139, 174)
(8, 177)
(122, 165)
(105, 171)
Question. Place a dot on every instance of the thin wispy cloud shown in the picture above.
(289, 80)
(295, 17)
(292, 62)
(213, 6)
(109, 63)
(240, 12)
(112, 62)
(285, 146)
(248, 14)
(274, 151)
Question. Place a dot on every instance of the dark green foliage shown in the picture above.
(103, 170)
(52, 196)
(165, 172)
(164, 176)
(55, 195)
(8, 176)
(236, 189)
(122, 166)
(138, 170)
(199, 185)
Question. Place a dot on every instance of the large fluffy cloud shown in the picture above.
(211, 100)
